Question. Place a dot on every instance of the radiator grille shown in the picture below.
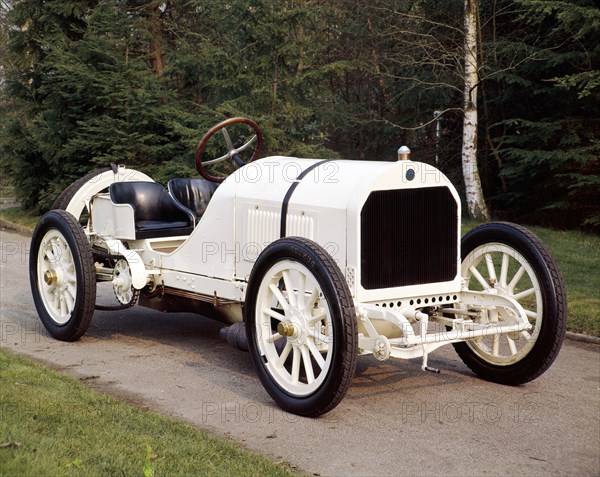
(408, 237)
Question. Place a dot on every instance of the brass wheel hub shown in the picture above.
(285, 329)
(50, 277)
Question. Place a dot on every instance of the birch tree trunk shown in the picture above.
(474, 192)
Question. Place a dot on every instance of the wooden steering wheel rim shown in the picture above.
(218, 127)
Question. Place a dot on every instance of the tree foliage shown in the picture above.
(544, 97)
(85, 83)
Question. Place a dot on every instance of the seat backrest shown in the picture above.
(150, 201)
(192, 193)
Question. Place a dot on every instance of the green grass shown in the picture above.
(17, 215)
(578, 257)
(56, 426)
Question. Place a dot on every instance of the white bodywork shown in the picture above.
(214, 262)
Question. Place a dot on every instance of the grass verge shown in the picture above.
(53, 425)
(16, 215)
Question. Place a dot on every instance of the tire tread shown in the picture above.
(86, 289)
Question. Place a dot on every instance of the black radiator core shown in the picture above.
(408, 237)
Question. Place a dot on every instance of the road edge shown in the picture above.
(20, 229)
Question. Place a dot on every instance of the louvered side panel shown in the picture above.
(262, 227)
(300, 226)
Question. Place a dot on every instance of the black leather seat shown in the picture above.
(155, 212)
(192, 193)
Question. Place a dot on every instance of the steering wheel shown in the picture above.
(233, 149)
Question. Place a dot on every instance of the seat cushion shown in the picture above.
(156, 214)
(192, 193)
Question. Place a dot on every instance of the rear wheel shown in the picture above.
(507, 259)
(301, 327)
(66, 196)
(75, 198)
(62, 275)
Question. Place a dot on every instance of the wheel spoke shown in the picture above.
(496, 345)
(512, 345)
(516, 278)
(531, 314)
(69, 301)
(526, 335)
(312, 299)
(479, 277)
(273, 314)
(49, 253)
(55, 250)
(296, 365)
(316, 353)
(64, 250)
(315, 319)
(321, 338)
(524, 294)
(279, 296)
(292, 299)
(308, 369)
(504, 269)
(301, 291)
(284, 355)
(490, 267)
(71, 290)
(274, 337)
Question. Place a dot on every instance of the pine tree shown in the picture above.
(544, 112)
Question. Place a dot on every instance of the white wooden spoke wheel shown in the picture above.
(62, 275)
(506, 259)
(500, 269)
(294, 328)
(301, 326)
(57, 280)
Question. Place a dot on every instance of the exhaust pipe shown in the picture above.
(235, 335)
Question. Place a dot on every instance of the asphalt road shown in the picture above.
(395, 420)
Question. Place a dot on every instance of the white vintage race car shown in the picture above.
(310, 262)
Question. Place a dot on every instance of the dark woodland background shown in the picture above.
(86, 83)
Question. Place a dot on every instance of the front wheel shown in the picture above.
(62, 275)
(503, 258)
(301, 326)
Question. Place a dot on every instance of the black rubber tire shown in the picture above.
(345, 336)
(85, 300)
(554, 300)
(62, 201)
